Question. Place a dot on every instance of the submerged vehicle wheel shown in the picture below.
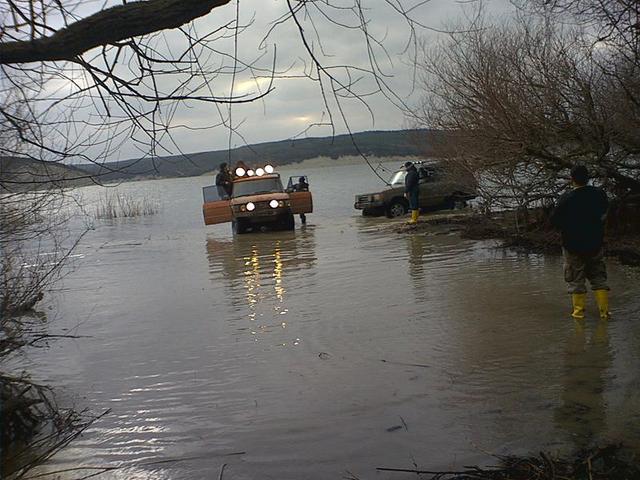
(397, 208)
(239, 226)
(289, 223)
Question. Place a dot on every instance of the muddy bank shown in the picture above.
(598, 463)
(533, 234)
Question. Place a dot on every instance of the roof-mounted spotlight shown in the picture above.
(240, 172)
(259, 172)
(268, 169)
(251, 173)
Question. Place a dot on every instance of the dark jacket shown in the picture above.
(411, 180)
(224, 181)
(580, 216)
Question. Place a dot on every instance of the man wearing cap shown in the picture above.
(580, 216)
(412, 191)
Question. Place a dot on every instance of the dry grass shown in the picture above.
(114, 204)
(611, 462)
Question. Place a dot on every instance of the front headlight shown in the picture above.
(251, 206)
(243, 208)
(376, 198)
(274, 204)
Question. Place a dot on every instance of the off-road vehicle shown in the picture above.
(439, 188)
(258, 201)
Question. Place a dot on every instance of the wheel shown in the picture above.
(289, 222)
(397, 208)
(455, 201)
(239, 226)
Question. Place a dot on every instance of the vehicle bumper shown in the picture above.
(362, 204)
(265, 216)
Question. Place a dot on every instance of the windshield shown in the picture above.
(398, 178)
(255, 187)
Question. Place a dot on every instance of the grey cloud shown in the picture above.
(278, 115)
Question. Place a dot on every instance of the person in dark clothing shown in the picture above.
(412, 190)
(580, 215)
(224, 181)
(302, 186)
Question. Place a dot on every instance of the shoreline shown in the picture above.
(475, 226)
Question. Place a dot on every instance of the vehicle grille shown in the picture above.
(262, 206)
(363, 201)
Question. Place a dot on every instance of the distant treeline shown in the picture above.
(21, 173)
(375, 143)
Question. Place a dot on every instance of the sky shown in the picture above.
(294, 106)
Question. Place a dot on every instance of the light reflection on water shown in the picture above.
(305, 350)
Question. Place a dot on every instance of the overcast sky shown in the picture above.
(296, 103)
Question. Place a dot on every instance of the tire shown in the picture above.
(289, 223)
(238, 226)
(456, 200)
(397, 208)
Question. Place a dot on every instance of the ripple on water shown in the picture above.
(304, 348)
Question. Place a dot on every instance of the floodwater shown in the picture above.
(329, 351)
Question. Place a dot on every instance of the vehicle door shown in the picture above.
(300, 198)
(215, 209)
(430, 187)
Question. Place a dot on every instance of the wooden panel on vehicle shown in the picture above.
(216, 212)
(301, 202)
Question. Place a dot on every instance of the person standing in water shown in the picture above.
(302, 186)
(580, 215)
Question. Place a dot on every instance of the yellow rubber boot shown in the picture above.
(414, 217)
(602, 299)
(578, 300)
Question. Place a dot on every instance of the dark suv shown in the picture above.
(439, 188)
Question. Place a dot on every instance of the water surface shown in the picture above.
(336, 348)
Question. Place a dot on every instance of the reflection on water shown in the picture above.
(256, 269)
(582, 412)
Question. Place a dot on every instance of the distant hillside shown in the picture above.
(375, 143)
(21, 173)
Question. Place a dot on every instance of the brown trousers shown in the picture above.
(579, 267)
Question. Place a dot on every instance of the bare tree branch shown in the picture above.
(107, 27)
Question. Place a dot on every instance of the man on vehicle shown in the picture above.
(580, 215)
(224, 181)
(412, 191)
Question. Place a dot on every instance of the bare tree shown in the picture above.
(526, 100)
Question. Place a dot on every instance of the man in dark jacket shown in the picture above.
(302, 186)
(580, 216)
(224, 181)
(412, 191)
